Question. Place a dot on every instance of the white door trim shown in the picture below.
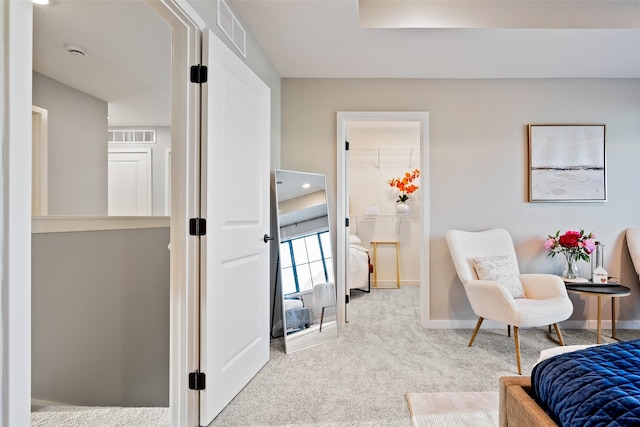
(15, 212)
(186, 38)
(40, 117)
(167, 181)
(343, 120)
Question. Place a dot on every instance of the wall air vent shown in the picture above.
(230, 25)
(132, 136)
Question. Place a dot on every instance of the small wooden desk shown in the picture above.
(375, 244)
(613, 290)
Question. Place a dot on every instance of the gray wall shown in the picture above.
(77, 142)
(100, 317)
(478, 164)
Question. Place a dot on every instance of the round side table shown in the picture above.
(613, 290)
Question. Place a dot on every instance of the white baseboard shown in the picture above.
(568, 324)
(385, 284)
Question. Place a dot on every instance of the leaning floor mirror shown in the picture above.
(305, 260)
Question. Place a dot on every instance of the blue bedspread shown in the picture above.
(597, 386)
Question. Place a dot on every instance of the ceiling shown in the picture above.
(128, 62)
(322, 38)
(128, 45)
(293, 184)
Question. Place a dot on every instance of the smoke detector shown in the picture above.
(76, 50)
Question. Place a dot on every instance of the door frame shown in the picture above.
(186, 40)
(16, 25)
(40, 117)
(15, 210)
(167, 181)
(344, 118)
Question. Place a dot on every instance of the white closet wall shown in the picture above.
(378, 152)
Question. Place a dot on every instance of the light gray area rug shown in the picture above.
(451, 409)
(361, 379)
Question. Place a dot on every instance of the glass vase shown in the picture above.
(572, 266)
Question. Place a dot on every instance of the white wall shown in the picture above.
(77, 146)
(478, 164)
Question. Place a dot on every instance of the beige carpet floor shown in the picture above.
(90, 416)
(362, 378)
(450, 409)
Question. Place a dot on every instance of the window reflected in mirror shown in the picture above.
(306, 261)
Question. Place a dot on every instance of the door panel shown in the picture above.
(129, 182)
(235, 274)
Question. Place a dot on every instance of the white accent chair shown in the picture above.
(545, 301)
(324, 296)
(633, 242)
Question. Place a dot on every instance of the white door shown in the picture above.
(234, 336)
(129, 182)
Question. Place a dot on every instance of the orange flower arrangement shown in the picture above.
(405, 184)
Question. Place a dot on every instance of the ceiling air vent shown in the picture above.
(230, 25)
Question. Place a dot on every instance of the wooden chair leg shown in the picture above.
(517, 342)
(508, 330)
(475, 331)
(321, 319)
(558, 333)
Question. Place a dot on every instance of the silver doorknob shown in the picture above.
(266, 238)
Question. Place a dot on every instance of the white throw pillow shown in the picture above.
(354, 240)
(499, 269)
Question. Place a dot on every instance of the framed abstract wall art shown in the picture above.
(567, 163)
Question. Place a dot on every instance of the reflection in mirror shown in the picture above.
(306, 260)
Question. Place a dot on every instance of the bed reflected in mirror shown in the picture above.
(305, 260)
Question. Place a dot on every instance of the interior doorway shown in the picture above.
(347, 219)
(59, 129)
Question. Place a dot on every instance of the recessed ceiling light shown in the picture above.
(76, 50)
(41, 2)
(306, 185)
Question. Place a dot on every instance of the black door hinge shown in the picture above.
(199, 74)
(346, 145)
(346, 222)
(197, 380)
(346, 299)
(197, 226)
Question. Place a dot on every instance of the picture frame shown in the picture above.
(567, 163)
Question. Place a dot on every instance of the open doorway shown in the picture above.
(372, 217)
(100, 297)
(186, 30)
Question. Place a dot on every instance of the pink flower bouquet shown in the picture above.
(573, 244)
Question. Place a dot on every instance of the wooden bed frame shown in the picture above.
(517, 406)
